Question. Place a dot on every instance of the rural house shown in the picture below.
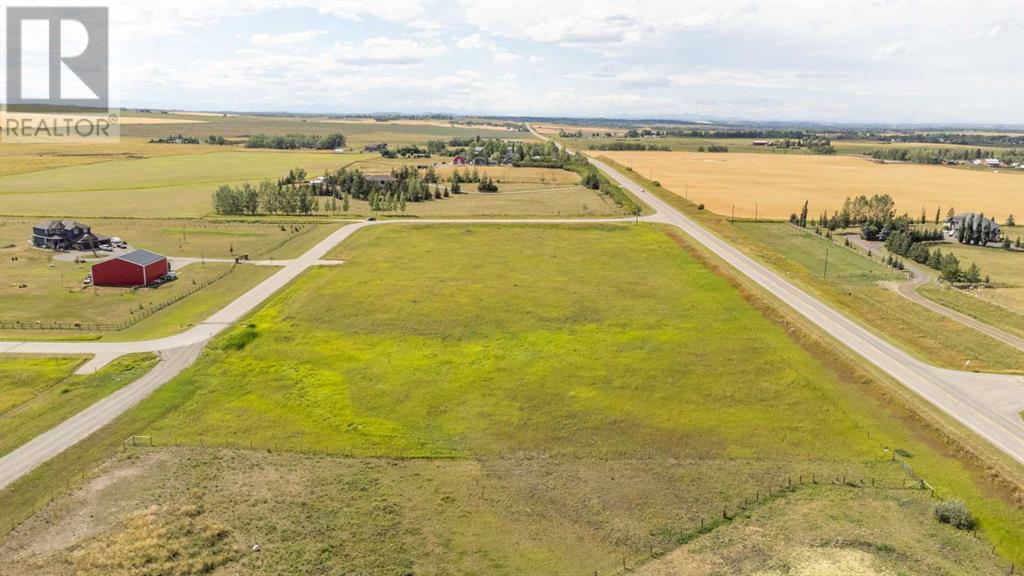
(988, 225)
(65, 235)
(380, 179)
(138, 268)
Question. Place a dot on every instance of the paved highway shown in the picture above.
(988, 404)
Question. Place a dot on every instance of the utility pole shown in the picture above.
(755, 212)
(733, 217)
(825, 275)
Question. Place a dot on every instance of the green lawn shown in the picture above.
(1005, 268)
(802, 247)
(39, 393)
(371, 358)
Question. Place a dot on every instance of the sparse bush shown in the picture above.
(240, 338)
(700, 206)
(956, 514)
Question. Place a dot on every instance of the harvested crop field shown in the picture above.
(779, 184)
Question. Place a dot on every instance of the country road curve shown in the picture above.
(919, 277)
(179, 351)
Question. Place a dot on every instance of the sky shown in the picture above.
(885, 62)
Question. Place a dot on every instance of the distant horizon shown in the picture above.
(860, 63)
(711, 121)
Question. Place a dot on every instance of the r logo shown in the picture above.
(47, 62)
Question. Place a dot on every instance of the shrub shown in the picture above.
(700, 206)
(239, 338)
(956, 514)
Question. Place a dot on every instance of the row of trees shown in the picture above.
(265, 198)
(911, 244)
(713, 148)
(297, 141)
(944, 155)
(621, 146)
(877, 210)
(182, 139)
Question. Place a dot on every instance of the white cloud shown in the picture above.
(285, 39)
(894, 49)
(537, 59)
(471, 42)
(386, 51)
(503, 57)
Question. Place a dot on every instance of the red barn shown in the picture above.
(459, 160)
(138, 268)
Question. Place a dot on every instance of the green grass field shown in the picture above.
(159, 187)
(504, 394)
(39, 393)
(523, 317)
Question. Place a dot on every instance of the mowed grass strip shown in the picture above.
(39, 393)
(855, 285)
(469, 340)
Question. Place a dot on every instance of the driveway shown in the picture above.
(919, 276)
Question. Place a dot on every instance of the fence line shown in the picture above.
(772, 492)
(135, 317)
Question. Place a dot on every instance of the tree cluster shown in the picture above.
(944, 155)
(297, 141)
(910, 243)
(713, 148)
(620, 146)
(265, 198)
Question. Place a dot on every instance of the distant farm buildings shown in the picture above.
(375, 147)
(66, 235)
(138, 268)
(459, 160)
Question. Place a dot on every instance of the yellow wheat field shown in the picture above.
(779, 184)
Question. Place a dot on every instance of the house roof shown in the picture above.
(65, 224)
(141, 257)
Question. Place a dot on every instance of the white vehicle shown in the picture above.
(106, 247)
